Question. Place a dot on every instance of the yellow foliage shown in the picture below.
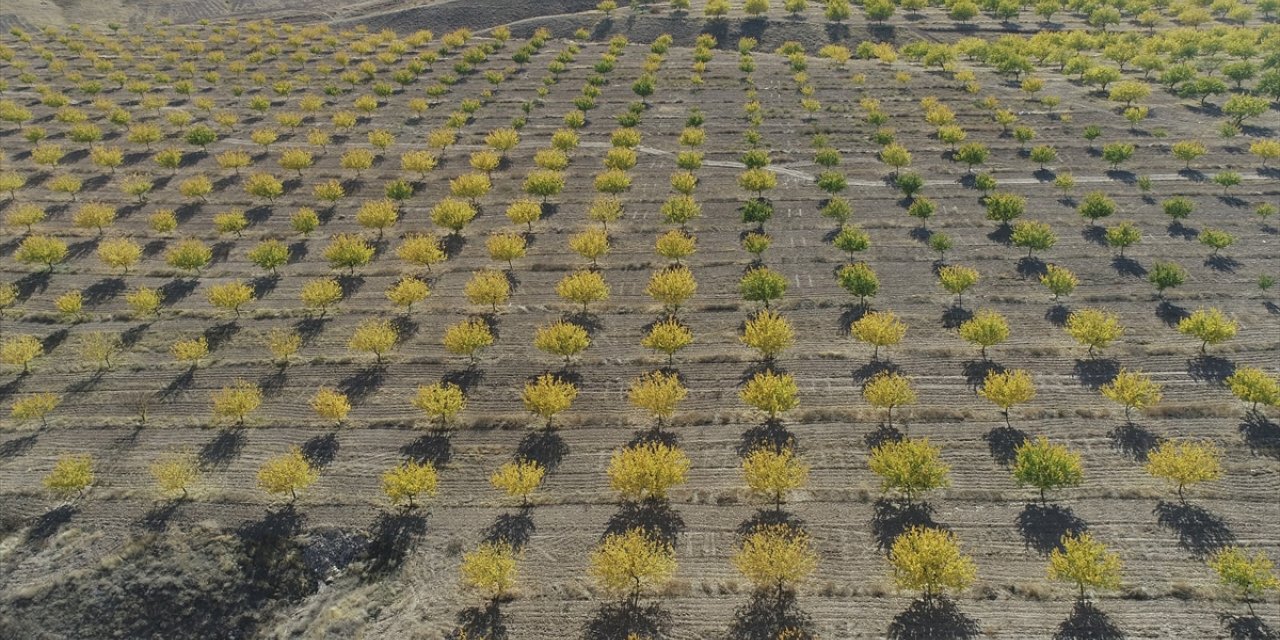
(647, 471)
(287, 473)
(771, 393)
(331, 404)
(631, 563)
(930, 560)
(773, 474)
(561, 338)
(769, 333)
(175, 472)
(405, 483)
(492, 568)
(1086, 562)
(71, 475)
(776, 556)
(440, 401)
(518, 479)
(547, 396)
(237, 401)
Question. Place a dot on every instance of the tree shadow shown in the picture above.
(1095, 234)
(892, 518)
(350, 284)
(310, 328)
(1170, 313)
(481, 622)
(467, 379)
(976, 371)
(435, 448)
(174, 291)
(1095, 372)
(772, 434)
(1199, 531)
(1002, 235)
(618, 620)
(264, 285)
(874, 368)
(102, 291)
(273, 383)
(1032, 267)
(1088, 622)
(1261, 434)
(157, 518)
(45, 525)
(54, 340)
(363, 383)
(1222, 264)
(933, 619)
(654, 435)
(131, 336)
(393, 537)
(514, 529)
(1248, 627)
(1211, 369)
(546, 448)
(1043, 525)
(769, 518)
(954, 316)
(180, 384)
(1126, 266)
(405, 328)
(1003, 442)
(220, 334)
(1178, 230)
(224, 448)
(850, 314)
(32, 283)
(769, 615)
(17, 446)
(883, 434)
(1057, 314)
(654, 516)
(320, 451)
(1133, 440)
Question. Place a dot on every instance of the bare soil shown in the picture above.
(232, 563)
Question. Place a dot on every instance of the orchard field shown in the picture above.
(746, 320)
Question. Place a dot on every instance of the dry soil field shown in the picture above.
(222, 558)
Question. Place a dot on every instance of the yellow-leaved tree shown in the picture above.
(547, 396)
(441, 401)
(909, 466)
(775, 557)
(771, 393)
(769, 333)
(1086, 562)
(1132, 390)
(627, 565)
(889, 390)
(175, 472)
(878, 329)
(1006, 389)
(518, 479)
(646, 471)
(491, 569)
(929, 560)
(288, 473)
(773, 473)
(403, 484)
(1185, 463)
(658, 393)
(71, 475)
